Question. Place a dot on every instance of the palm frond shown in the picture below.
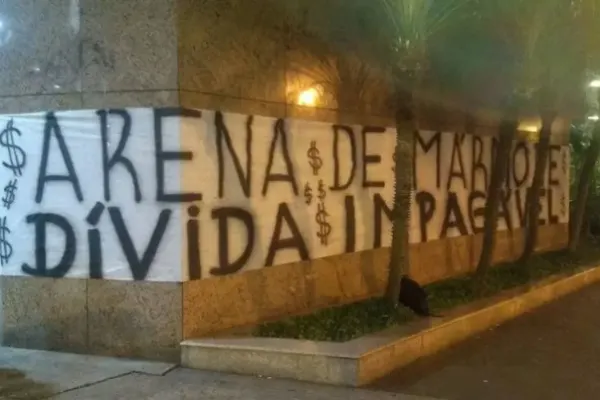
(414, 24)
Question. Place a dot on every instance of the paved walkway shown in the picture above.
(27, 374)
(551, 353)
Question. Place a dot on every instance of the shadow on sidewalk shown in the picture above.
(14, 384)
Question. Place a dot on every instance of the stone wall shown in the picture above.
(227, 55)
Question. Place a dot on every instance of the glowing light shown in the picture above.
(308, 97)
(595, 83)
(594, 117)
(529, 128)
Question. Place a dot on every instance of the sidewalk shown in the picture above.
(551, 353)
(31, 374)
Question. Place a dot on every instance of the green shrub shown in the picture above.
(353, 320)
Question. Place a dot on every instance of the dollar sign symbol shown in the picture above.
(324, 226)
(9, 197)
(16, 155)
(322, 192)
(308, 193)
(314, 159)
(6, 249)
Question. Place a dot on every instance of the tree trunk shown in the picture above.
(507, 131)
(532, 207)
(347, 95)
(585, 179)
(403, 180)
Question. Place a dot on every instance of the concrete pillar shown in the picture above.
(90, 54)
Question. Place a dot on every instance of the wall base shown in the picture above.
(149, 319)
(113, 318)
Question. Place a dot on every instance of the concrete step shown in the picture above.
(365, 359)
(321, 362)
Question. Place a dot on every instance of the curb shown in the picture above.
(365, 359)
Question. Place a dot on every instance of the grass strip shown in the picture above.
(342, 323)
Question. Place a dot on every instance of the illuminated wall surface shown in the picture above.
(176, 194)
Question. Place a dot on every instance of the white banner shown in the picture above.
(175, 194)
(172, 194)
(453, 171)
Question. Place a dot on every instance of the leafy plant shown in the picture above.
(354, 320)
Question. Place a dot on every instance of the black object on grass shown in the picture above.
(413, 296)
